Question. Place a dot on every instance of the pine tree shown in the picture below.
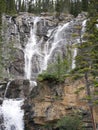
(2, 9)
(23, 7)
(19, 5)
(87, 58)
(75, 7)
(10, 7)
(85, 5)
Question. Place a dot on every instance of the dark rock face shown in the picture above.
(38, 94)
(47, 102)
(17, 66)
(18, 88)
(2, 127)
(17, 32)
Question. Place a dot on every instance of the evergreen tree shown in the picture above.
(87, 58)
(19, 5)
(75, 7)
(2, 9)
(10, 7)
(85, 5)
(30, 6)
(93, 8)
(23, 6)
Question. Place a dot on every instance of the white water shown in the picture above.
(6, 89)
(12, 114)
(83, 28)
(73, 59)
(30, 50)
(38, 57)
(58, 41)
(78, 41)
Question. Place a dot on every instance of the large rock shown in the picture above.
(17, 88)
(49, 102)
(17, 66)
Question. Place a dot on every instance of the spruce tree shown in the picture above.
(23, 7)
(2, 9)
(87, 58)
(85, 5)
(10, 7)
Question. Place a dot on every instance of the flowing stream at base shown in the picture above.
(12, 115)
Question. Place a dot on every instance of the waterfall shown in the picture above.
(57, 42)
(37, 57)
(78, 41)
(83, 28)
(12, 114)
(6, 89)
(73, 59)
(31, 49)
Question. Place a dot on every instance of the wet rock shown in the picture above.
(18, 88)
(18, 31)
(13, 127)
(2, 127)
(17, 67)
(1, 100)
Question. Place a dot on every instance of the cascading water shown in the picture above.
(78, 41)
(11, 113)
(57, 43)
(31, 49)
(6, 89)
(38, 56)
(73, 59)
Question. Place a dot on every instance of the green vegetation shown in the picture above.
(59, 6)
(58, 71)
(55, 72)
(70, 123)
(87, 58)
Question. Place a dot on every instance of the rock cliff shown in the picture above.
(46, 102)
(16, 35)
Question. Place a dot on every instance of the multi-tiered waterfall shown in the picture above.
(38, 53)
(31, 49)
(40, 50)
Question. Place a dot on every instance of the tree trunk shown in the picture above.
(90, 104)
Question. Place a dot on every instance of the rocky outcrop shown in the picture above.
(17, 88)
(49, 102)
(16, 32)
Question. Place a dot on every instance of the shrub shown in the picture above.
(69, 123)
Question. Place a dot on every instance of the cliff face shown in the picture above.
(48, 102)
(54, 101)
(17, 33)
